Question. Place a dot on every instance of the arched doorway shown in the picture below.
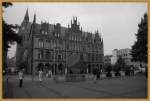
(40, 67)
(54, 69)
(97, 66)
(47, 67)
(89, 68)
(60, 68)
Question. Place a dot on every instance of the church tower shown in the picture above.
(23, 32)
(26, 19)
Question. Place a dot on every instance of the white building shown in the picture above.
(123, 53)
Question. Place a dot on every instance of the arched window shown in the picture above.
(42, 32)
(47, 44)
(88, 56)
(52, 44)
(93, 57)
(41, 43)
(47, 55)
(59, 57)
(45, 32)
(40, 54)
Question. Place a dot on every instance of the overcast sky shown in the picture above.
(117, 22)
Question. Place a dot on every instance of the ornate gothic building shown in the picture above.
(61, 49)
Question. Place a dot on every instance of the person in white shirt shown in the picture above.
(49, 73)
(20, 78)
(40, 75)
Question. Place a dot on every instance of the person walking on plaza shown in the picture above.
(49, 73)
(132, 70)
(20, 78)
(40, 75)
(94, 75)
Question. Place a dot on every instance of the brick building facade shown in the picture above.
(59, 48)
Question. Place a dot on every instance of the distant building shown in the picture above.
(123, 53)
(107, 59)
(59, 48)
(126, 56)
(12, 62)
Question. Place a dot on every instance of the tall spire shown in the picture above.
(26, 18)
(34, 20)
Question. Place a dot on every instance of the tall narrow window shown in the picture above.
(42, 32)
(47, 44)
(45, 32)
(59, 57)
(47, 55)
(41, 43)
(40, 54)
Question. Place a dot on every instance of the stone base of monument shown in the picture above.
(75, 77)
(60, 78)
(89, 76)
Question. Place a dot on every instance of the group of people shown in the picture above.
(97, 72)
(48, 74)
(40, 76)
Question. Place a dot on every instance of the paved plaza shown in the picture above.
(125, 87)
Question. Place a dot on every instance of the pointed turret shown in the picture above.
(26, 18)
(34, 19)
(73, 19)
(81, 28)
(102, 42)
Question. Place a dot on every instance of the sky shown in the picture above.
(117, 23)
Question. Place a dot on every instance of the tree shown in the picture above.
(139, 50)
(9, 34)
(108, 69)
(120, 64)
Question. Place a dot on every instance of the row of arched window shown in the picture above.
(94, 57)
(75, 38)
(50, 44)
(49, 55)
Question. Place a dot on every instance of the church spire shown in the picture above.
(26, 18)
(34, 19)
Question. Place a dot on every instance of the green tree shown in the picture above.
(120, 65)
(9, 34)
(139, 50)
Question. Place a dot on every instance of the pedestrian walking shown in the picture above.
(20, 78)
(132, 70)
(98, 74)
(49, 73)
(94, 75)
(40, 75)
